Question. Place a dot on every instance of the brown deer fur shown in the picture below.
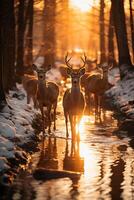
(73, 100)
(30, 86)
(47, 96)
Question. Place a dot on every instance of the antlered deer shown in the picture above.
(47, 95)
(30, 86)
(73, 99)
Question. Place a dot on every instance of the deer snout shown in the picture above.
(41, 77)
(75, 81)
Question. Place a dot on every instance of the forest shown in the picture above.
(75, 58)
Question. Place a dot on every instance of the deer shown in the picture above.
(47, 96)
(97, 84)
(73, 98)
(29, 83)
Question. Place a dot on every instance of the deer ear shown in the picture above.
(34, 67)
(82, 71)
(68, 71)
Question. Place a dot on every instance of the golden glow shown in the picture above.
(39, 5)
(82, 5)
(90, 161)
(78, 50)
(85, 119)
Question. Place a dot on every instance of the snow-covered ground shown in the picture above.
(15, 130)
(121, 95)
(16, 124)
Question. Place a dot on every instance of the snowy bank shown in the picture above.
(16, 133)
(121, 96)
(19, 128)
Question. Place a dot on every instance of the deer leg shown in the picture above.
(55, 106)
(72, 126)
(89, 102)
(100, 107)
(43, 119)
(72, 148)
(49, 119)
(66, 121)
(96, 107)
(78, 124)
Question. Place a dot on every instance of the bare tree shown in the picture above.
(8, 39)
(121, 33)
(49, 32)
(29, 36)
(20, 39)
(102, 33)
(111, 55)
(24, 22)
(2, 93)
(132, 26)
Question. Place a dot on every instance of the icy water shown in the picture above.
(105, 163)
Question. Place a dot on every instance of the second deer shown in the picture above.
(73, 99)
(47, 96)
(97, 84)
(30, 86)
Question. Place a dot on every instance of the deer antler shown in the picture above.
(67, 61)
(84, 61)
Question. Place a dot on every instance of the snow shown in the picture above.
(15, 127)
(3, 164)
(7, 131)
(122, 94)
(16, 123)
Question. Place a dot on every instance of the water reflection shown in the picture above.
(105, 162)
(72, 160)
(117, 170)
(48, 156)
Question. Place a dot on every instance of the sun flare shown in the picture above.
(82, 5)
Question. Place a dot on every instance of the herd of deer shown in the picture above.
(45, 94)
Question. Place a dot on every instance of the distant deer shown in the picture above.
(73, 99)
(98, 84)
(47, 95)
(30, 86)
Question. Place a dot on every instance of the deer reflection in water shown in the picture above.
(72, 160)
(48, 157)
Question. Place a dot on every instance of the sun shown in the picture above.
(82, 5)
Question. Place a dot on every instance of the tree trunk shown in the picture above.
(8, 30)
(20, 40)
(111, 55)
(65, 26)
(29, 37)
(132, 26)
(121, 33)
(102, 33)
(2, 93)
(49, 32)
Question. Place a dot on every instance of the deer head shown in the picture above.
(75, 73)
(105, 67)
(41, 72)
